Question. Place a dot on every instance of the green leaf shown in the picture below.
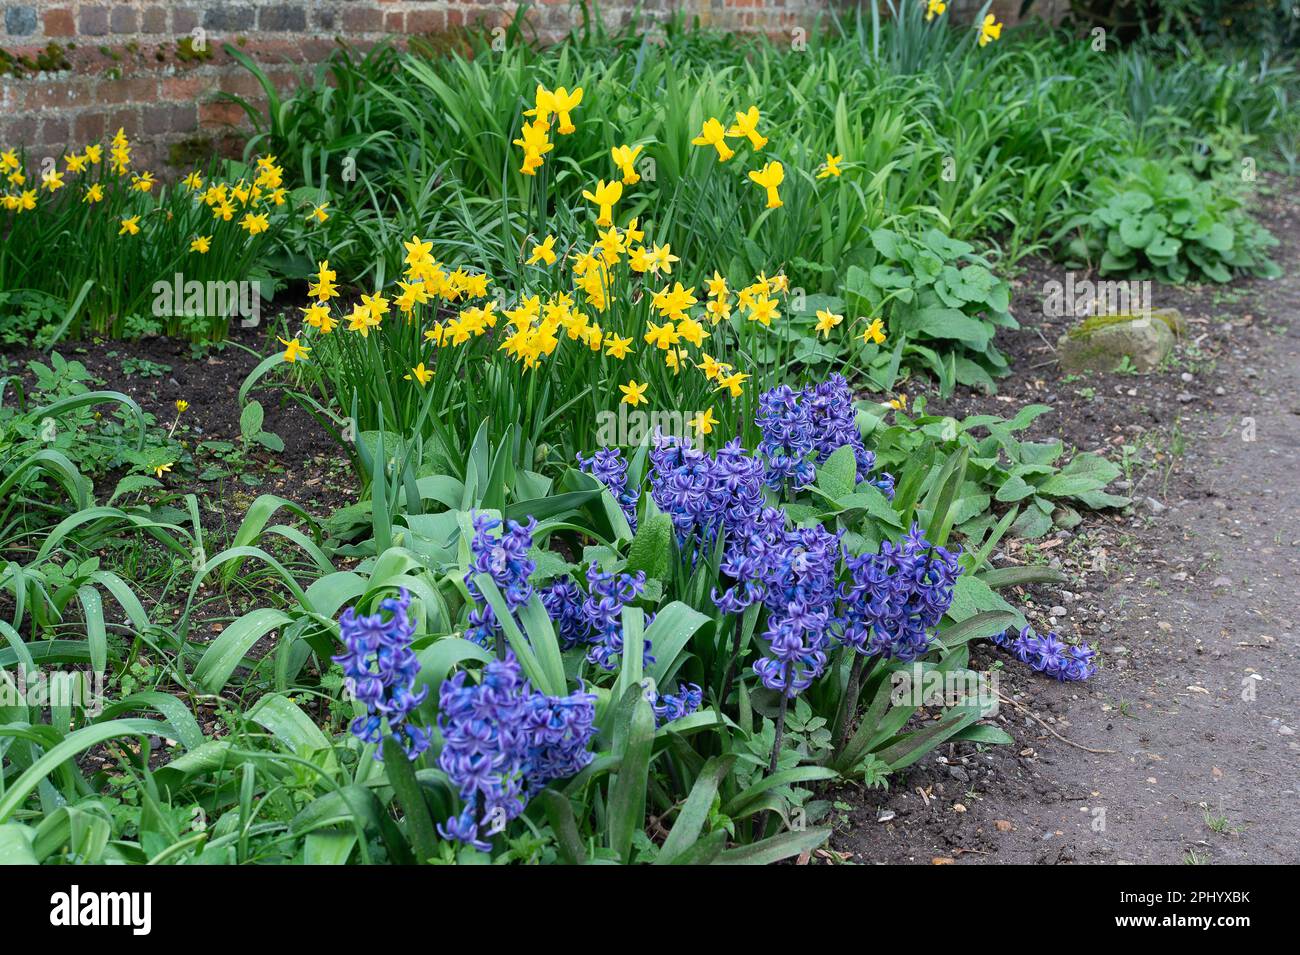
(652, 547)
(838, 474)
(776, 848)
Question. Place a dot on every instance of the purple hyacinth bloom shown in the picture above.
(563, 601)
(607, 595)
(673, 706)
(609, 468)
(788, 438)
(1050, 655)
(895, 598)
(505, 559)
(379, 670)
(503, 742)
(834, 425)
(705, 494)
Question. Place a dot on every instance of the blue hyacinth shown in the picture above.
(503, 742)
(609, 468)
(895, 598)
(505, 559)
(379, 670)
(607, 595)
(673, 706)
(705, 494)
(1050, 654)
(788, 438)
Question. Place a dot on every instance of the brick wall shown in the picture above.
(73, 71)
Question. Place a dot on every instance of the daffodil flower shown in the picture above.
(747, 126)
(713, 134)
(769, 177)
(294, 350)
(633, 393)
(543, 252)
(990, 30)
(832, 166)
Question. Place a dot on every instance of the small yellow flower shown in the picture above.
(732, 383)
(625, 159)
(617, 347)
(990, 30)
(875, 332)
(747, 125)
(161, 469)
(421, 374)
(254, 224)
(143, 182)
(604, 198)
(633, 393)
(52, 181)
(76, 163)
(934, 8)
(193, 181)
(826, 320)
(703, 422)
(899, 403)
(131, 226)
(769, 177)
(294, 350)
(201, 244)
(543, 252)
(318, 212)
(713, 135)
(182, 406)
(832, 167)
(94, 193)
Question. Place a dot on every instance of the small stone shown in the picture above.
(1100, 343)
(1154, 506)
(1185, 397)
(1057, 611)
(1221, 582)
(1186, 376)
(1285, 731)
(1220, 390)
(885, 816)
(958, 807)
(1003, 825)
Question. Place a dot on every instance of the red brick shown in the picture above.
(59, 22)
(363, 20)
(395, 21)
(89, 127)
(220, 114)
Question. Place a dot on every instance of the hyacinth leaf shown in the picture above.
(652, 549)
(410, 796)
(16, 845)
(971, 596)
(999, 577)
(291, 726)
(910, 748)
(984, 733)
(775, 848)
(983, 624)
(83, 739)
(631, 671)
(627, 796)
(541, 635)
(743, 803)
(559, 811)
(539, 675)
(224, 653)
(694, 813)
(670, 632)
(943, 495)
(328, 848)
(439, 658)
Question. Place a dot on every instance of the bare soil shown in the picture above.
(1182, 749)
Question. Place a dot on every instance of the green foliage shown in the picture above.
(1154, 220)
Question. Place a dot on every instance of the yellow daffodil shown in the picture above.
(703, 422)
(161, 469)
(625, 159)
(9, 160)
(899, 403)
(201, 244)
(934, 8)
(143, 182)
(617, 347)
(94, 193)
(826, 320)
(182, 406)
(769, 177)
(324, 288)
(317, 315)
(764, 310)
(713, 134)
(194, 181)
(293, 350)
(254, 224)
(633, 393)
(832, 167)
(605, 196)
(421, 374)
(662, 259)
(733, 383)
(747, 126)
(76, 163)
(661, 336)
(543, 252)
(130, 226)
(95, 153)
(564, 103)
(990, 30)
(318, 212)
(875, 332)
(52, 181)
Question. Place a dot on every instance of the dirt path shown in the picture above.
(1192, 599)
